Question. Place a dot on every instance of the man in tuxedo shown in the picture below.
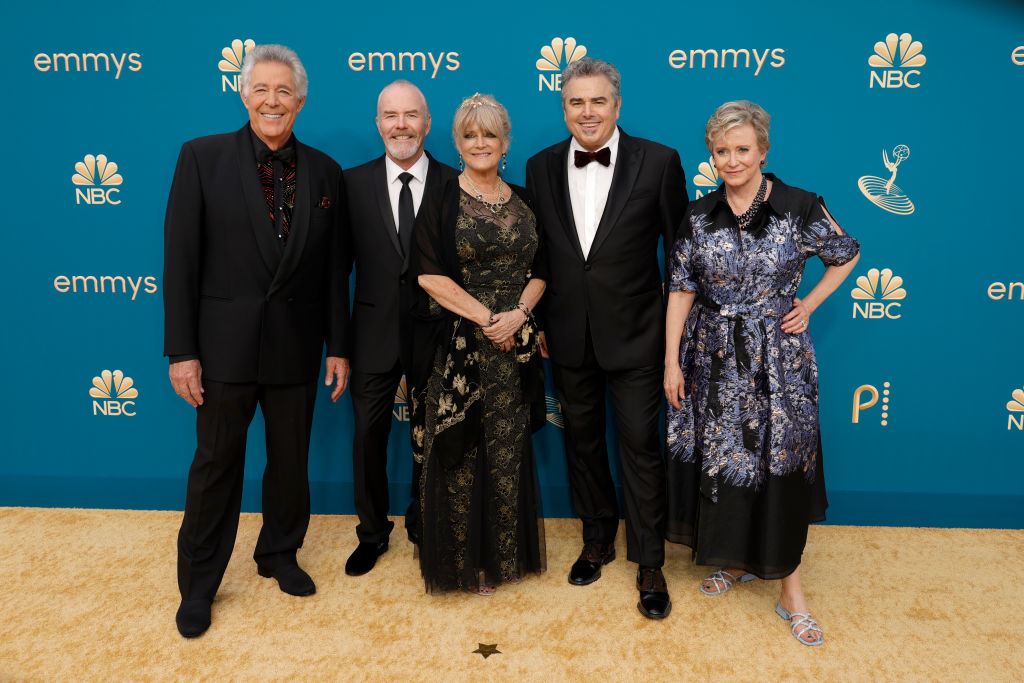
(605, 199)
(384, 196)
(254, 284)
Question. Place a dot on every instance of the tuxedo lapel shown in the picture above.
(255, 202)
(627, 168)
(558, 174)
(380, 189)
(299, 228)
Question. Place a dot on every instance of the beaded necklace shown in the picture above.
(495, 206)
(743, 220)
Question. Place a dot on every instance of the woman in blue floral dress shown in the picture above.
(741, 378)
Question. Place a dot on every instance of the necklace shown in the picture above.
(493, 206)
(743, 220)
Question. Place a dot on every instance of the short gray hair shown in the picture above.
(735, 114)
(274, 53)
(588, 66)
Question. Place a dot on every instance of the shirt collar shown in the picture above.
(612, 145)
(418, 170)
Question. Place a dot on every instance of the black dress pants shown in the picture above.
(214, 497)
(373, 400)
(636, 397)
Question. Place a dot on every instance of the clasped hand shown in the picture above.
(503, 327)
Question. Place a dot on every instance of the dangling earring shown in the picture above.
(460, 163)
(504, 160)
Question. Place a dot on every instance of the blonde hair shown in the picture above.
(483, 111)
(735, 114)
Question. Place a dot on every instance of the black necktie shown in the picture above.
(406, 215)
(602, 156)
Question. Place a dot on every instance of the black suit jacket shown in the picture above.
(618, 286)
(248, 308)
(380, 308)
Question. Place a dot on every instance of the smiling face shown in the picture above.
(403, 122)
(738, 156)
(591, 110)
(481, 150)
(272, 102)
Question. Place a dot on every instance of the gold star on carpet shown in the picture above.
(486, 651)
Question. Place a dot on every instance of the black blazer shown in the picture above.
(618, 287)
(381, 303)
(248, 309)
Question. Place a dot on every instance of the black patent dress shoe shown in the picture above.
(290, 578)
(364, 557)
(654, 601)
(193, 617)
(587, 569)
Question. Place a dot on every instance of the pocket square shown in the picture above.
(325, 203)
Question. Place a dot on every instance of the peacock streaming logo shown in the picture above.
(113, 394)
(96, 181)
(230, 64)
(878, 295)
(895, 62)
(866, 396)
(884, 192)
(706, 178)
(555, 57)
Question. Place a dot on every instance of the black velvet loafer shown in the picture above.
(193, 617)
(290, 578)
(364, 557)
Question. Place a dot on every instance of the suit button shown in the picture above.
(586, 267)
(401, 280)
(291, 299)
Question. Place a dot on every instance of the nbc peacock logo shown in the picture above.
(1015, 420)
(878, 295)
(884, 192)
(555, 57)
(112, 394)
(401, 409)
(895, 62)
(706, 178)
(96, 180)
(230, 64)
(553, 411)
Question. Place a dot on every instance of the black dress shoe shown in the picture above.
(654, 601)
(193, 617)
(364, 557)
(587, 569)
(290, 578)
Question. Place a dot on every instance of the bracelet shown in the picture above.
(524, 308)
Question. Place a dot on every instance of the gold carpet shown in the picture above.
(90, 595)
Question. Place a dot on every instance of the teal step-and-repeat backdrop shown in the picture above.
(905, 116)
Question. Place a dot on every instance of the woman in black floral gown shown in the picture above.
(477, 384)
(745, 467)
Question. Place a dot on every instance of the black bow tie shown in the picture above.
(284, 155)
(602, 156)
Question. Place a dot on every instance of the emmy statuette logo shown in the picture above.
(1015, 420)
(553, 410)
(707, 178)
(114, 391)
(96, 179)
(551, 62)
(895, 62)
(865, 396)
(401, 409)
(884, 192)
(230, 64)
(878, 295)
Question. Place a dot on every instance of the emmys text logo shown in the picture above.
(104, 284)
(865, 396)
(230, 64)
(895, 61)
(884, 192)
(1016, 407)
(404, 61)
(114, 392)
(555, 57)
(1017, 56)
(97, 180)
(997, 291)
(401, 409)
(728, 59)
(88, 61)
(553, 411)
(706, 178)
(878, 295)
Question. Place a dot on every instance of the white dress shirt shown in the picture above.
(416, 185)
(588, 190)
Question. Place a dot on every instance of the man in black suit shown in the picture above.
(605, 198)
(254, 283)
(384, 196)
